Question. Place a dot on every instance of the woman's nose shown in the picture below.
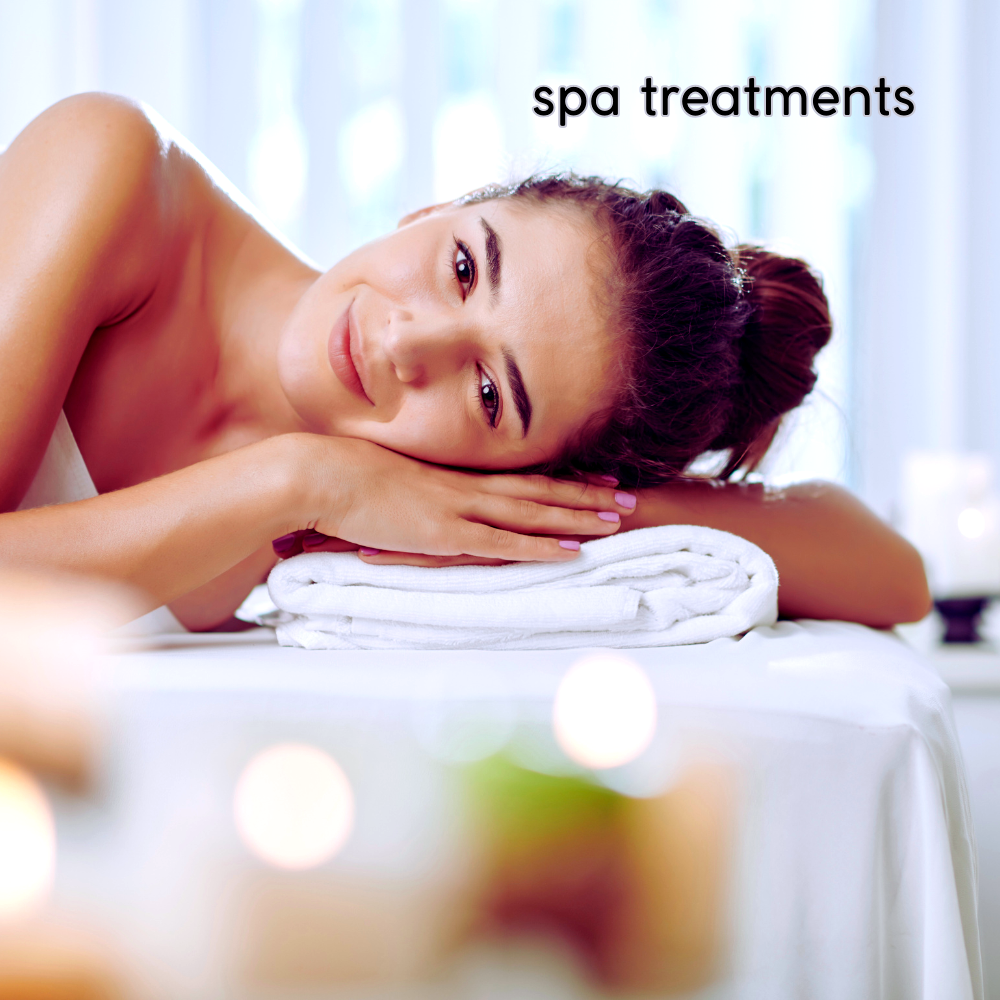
(416, 346)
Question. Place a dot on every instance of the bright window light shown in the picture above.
(279, 161)
(372, 147)
(468, 146)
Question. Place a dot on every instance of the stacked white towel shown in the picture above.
(652, 587)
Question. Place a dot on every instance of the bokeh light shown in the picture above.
(605, 711)
(972, 522)
(372, 148)
(294, 806)
(27, 842)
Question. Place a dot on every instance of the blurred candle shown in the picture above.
(52, 668)
(27, 843)
(951, 512)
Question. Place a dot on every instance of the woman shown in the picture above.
(224, 393)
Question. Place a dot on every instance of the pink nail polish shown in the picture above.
(567, 543)
(625, 500)
(608, 515)
(610, 480)
(369, 552)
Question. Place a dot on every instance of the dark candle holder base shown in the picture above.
(961, 616)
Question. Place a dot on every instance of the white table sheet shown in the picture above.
(855, 866)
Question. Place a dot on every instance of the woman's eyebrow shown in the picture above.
(493, 258)
(520, 394)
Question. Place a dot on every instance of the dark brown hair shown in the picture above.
(716, 345)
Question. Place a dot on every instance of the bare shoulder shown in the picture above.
(86, 186)
(89, 196)
(86, 125)
(91, 140)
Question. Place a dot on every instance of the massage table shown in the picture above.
(847, 866)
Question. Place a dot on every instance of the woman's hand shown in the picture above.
(312, 541)
(397, 509)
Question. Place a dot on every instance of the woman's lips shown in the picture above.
(341, 353)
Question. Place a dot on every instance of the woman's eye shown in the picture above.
(489, 397)
(465, 267)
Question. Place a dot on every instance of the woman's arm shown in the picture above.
(169, 535)
(835, 558)
(174, 534)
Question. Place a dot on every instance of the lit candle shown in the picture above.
(951, 512)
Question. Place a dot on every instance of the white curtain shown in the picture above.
(928, 334)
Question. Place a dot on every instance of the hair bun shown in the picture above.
(788, 323)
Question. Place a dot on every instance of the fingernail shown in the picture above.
(625, 500)
(314, 538)
(286, 545)
(369, 552)
(608, 515)
(610, 480)
(567, 543)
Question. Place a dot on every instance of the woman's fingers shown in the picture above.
(558, 492)
(508, 524)
(508, 546)
(415, 559)
(527, 516)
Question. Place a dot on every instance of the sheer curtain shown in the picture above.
(337, 116)
(927, 365)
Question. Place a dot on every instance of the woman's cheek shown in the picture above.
(433, 431)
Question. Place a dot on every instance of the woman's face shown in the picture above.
(471, 336)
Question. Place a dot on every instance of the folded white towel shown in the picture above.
(652, 587)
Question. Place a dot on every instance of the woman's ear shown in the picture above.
(420, 213)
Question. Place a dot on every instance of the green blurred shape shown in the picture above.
(516, 804)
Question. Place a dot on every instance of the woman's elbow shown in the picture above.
(918, 605)
(908, 597)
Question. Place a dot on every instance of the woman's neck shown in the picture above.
(192, 373)
(253, 298)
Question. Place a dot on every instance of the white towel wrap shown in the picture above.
(661, 586)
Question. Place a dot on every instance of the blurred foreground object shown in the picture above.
(818, 858)
(27, 843)
(52, 632)
(50, 963)
(636, 885)
(334, 930)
